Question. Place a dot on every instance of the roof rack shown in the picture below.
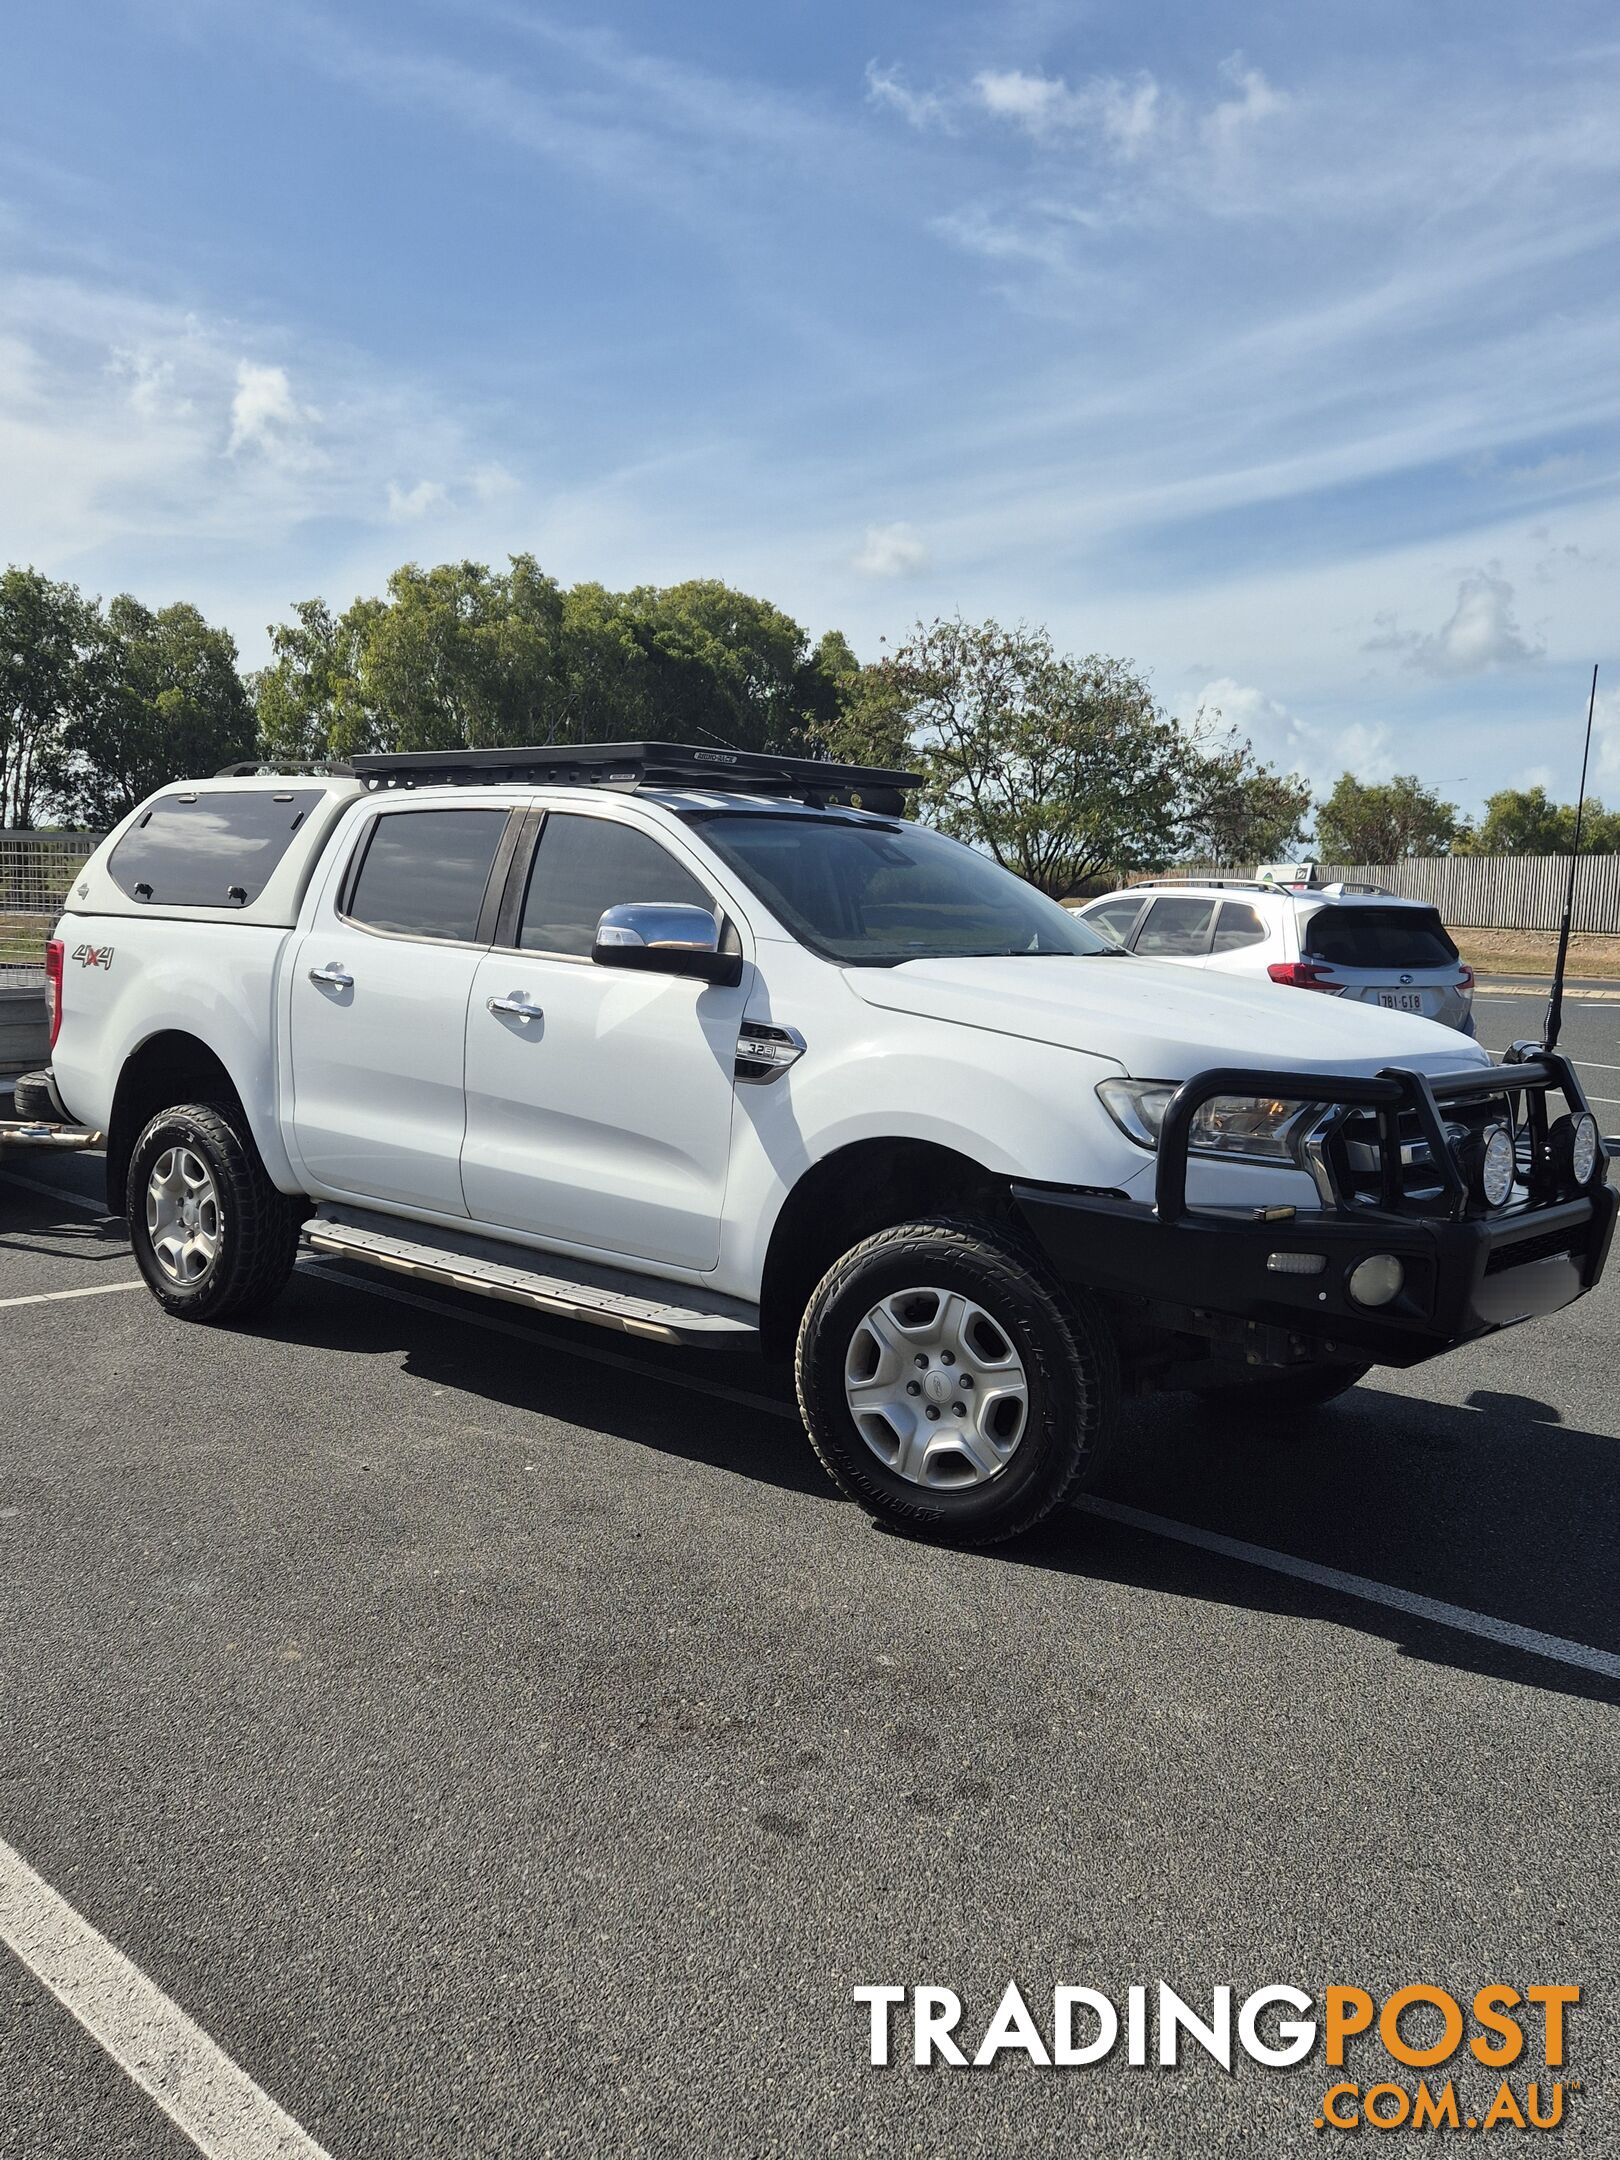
(1223, 884)
(254, 768)
(628, 766)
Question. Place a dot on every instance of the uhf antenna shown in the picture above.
(1555, 1003)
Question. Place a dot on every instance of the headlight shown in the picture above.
(1255, 1125)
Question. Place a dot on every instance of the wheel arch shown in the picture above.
(172, 1066)
(865, 1186)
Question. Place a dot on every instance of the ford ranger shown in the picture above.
(716, 1048)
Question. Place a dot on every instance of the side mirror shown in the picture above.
(661, 937)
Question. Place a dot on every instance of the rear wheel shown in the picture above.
(948, 1387)
(210, 1233)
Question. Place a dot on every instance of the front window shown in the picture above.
(875, 895)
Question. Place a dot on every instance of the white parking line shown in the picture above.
(51, 1297)
(1458, 1617)
(55, 1192)
(150, 2038)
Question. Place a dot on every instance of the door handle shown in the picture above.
(334, 977)
(518, 1007)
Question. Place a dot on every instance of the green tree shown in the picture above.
(1384, 821)
(169, 704)
(1056, 766)
(1237, 809)
(1522, 821)
(52, 653)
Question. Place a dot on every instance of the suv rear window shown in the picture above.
(1375, 937)
(217, 849)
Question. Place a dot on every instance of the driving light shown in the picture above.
(1376, 1280)
(1576, 1150)
(1497, 1166)
(1256, 1126)
(1295, 1263)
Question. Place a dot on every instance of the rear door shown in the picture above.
(1176, 927)
(1247, 938)
(599, 1110)
(379, 1005)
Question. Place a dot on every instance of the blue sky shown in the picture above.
(1276, 347)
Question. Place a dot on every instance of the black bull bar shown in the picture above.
(1466, 1270)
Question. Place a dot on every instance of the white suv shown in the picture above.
(1357, 942)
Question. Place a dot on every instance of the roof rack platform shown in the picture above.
(642, 764)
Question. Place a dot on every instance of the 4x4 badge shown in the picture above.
(100, 956)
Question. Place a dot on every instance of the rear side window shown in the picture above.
(1113, 918)
(425, 871)
(1176, 926)
(1375, 937)
(1238, 926)
(585, 865)
(217, 849)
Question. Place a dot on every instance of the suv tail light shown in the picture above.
(1303, 975)
(53, 986)
(1465, 978)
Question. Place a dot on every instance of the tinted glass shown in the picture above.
(879, 894)
(586, 865)
(1374, 937)
(425, 872)
(211, 850)
(1238, 926)
(1114, 918)
(1176, 926)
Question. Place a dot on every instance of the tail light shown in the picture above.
(1465, 979)
(53, 986)
(1303, 975)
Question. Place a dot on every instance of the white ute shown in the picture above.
(713, 1047)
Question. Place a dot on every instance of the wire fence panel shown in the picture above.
(1485, 892)
(37, 870)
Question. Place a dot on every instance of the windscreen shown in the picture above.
(1375, 937)
(875, 895)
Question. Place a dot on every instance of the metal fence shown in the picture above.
(36, 871)
(1486, 892)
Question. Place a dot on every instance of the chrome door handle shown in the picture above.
(518, 1007)
(334, 977)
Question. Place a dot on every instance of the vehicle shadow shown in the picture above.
(1496, 1505)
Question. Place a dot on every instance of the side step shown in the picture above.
(547, 1282)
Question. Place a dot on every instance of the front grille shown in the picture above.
(1356, 1153)
(1548, 1246)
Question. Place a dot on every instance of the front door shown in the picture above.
(599, 1110)
(379, 1008)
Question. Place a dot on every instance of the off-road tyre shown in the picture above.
(257, 1226)
(1064, 1345)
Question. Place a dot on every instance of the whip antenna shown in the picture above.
(1555, 1003)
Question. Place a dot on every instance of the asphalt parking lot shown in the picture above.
(501, 1740)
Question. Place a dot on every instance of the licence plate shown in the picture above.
(1401, 1000)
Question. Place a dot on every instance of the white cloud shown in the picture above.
(491, 481)
(264, 416)
(406, 503)
(1480, 634)
(1319, 750)
(891, 551)
(920, 108)
(1124, 115)
(1230, 121)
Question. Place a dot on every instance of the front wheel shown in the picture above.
(948, 1388)
(210, 1233)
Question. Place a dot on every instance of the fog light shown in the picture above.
(1296, 1263)
(1376, 1280)
(1497, 1167)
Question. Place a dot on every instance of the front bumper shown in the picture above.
(1204, 1272)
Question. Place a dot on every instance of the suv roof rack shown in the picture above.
(643, 764)
(1223, 884)
(255, 768)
